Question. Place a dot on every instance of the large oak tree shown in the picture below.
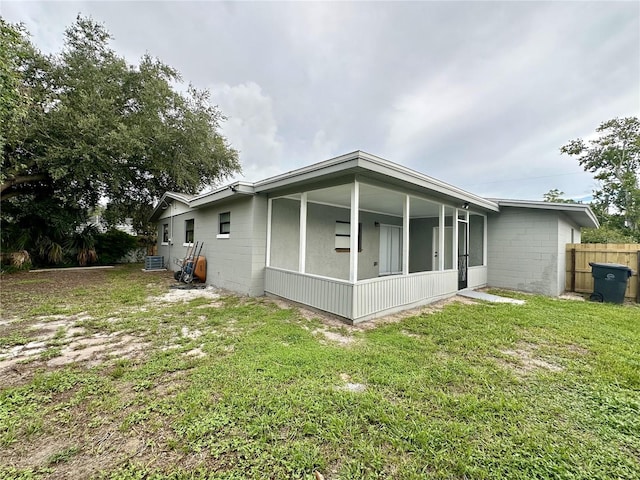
(84, 126)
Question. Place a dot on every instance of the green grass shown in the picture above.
(442, 399)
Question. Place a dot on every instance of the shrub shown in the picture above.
(112, 245)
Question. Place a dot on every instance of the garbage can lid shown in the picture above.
(617, 266)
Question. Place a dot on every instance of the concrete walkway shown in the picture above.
(487, 297)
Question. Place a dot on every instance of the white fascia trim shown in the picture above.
(579, 208)
(399, 172)
(233, 189)
(291, 176)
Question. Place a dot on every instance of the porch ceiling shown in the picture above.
(373, 199)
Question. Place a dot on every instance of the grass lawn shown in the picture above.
(99, 381)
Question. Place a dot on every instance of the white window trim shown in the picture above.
(223, 235)
(187, 244)
(163, 243)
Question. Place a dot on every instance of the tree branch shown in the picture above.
(7, 196)
(21, 179)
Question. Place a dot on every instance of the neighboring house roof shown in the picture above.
(581, 214)
(375, 168)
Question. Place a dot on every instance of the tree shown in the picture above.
(98, 128)
(614, 158)
(556, 196)
(102, 128)
(14, 101)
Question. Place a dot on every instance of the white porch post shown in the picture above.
(456, 225)
(268, 253)
(484, 241)
(441, 246)
(303, 233)
(353, 241)
(405, 235)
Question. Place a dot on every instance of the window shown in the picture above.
(165, 234)
(188, 231)
(390, 250)
(224, 225)
(343, 236)
(476, 240)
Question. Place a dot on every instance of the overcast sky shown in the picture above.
(478, 94)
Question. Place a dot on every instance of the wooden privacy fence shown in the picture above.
(579, 279)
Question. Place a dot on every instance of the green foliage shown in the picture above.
(41, 225)
(14, 97)
(112, 245)
(614, 158)
(556, 196)
(82, 244)
(85, 125)
(605, 234)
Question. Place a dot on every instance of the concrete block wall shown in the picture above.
(231, 262)
(523, 250)
(235, 263)
(258, 245)
(285, 233)
(175, 249)
(568, 232)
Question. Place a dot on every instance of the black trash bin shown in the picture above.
(609, 282)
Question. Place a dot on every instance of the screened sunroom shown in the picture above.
(362, 248)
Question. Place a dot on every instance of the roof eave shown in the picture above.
(222, 193)
(581, 213)
(361, 162)
(165, 199)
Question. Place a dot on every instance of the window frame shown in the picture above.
(347, 235)
(165, 234)
(188, 242)
(222, 223)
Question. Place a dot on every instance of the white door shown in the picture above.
(390, 249)
(436, 251)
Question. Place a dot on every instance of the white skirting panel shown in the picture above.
(334, 296)
(395, 291)
(365, 299)
(477, 277)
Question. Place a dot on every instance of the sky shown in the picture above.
(481, 95)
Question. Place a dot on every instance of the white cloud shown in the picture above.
(251, 128)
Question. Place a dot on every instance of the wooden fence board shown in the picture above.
(579, 271)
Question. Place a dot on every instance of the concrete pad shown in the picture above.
(100, 267)
(487, 297)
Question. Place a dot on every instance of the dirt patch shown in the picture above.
(192, 334)
(524, 359)
(573, 296)
(577, 349)
(350, 386)
(91, 350)
(306, 312)
(195, 353)
(333, 336)
(186, 294)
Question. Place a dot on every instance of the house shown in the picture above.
(360, 237)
